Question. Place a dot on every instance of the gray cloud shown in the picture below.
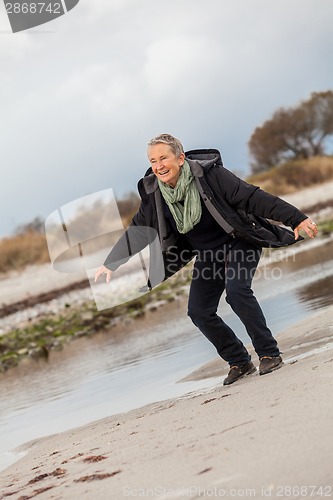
(81, 96)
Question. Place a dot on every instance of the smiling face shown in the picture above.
(165, 164)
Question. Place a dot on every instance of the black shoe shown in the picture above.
(239, 371)
(269, 364)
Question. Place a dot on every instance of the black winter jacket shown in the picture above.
(240, 208)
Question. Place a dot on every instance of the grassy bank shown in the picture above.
(295, 175)
(16, 252)
(325, 227)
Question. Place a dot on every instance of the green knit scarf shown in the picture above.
(188, 213)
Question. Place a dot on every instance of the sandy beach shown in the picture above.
(268, 436)
(262, 436)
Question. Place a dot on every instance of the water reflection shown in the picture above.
(318, 294)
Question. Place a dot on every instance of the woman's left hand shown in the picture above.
(308, 226)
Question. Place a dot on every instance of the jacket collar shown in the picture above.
(150, 183)
(206, 157)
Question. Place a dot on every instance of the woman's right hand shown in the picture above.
(103, 270)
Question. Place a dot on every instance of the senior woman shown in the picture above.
(201, 209)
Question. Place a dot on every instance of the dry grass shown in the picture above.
(295, 175)
(29, 246)
(18, 251)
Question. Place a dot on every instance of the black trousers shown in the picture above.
(231, 269)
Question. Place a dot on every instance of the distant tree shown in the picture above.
(298, 132)
(128, 206)
(35, 226)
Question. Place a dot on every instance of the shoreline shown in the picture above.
(194, 441)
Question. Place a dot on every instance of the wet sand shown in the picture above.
(262, 436)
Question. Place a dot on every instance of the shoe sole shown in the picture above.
(272, 369)
(254, 369)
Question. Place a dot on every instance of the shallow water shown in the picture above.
(116, 371)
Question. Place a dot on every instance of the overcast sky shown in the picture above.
(81, 96)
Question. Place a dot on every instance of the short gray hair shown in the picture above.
(175, 144)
